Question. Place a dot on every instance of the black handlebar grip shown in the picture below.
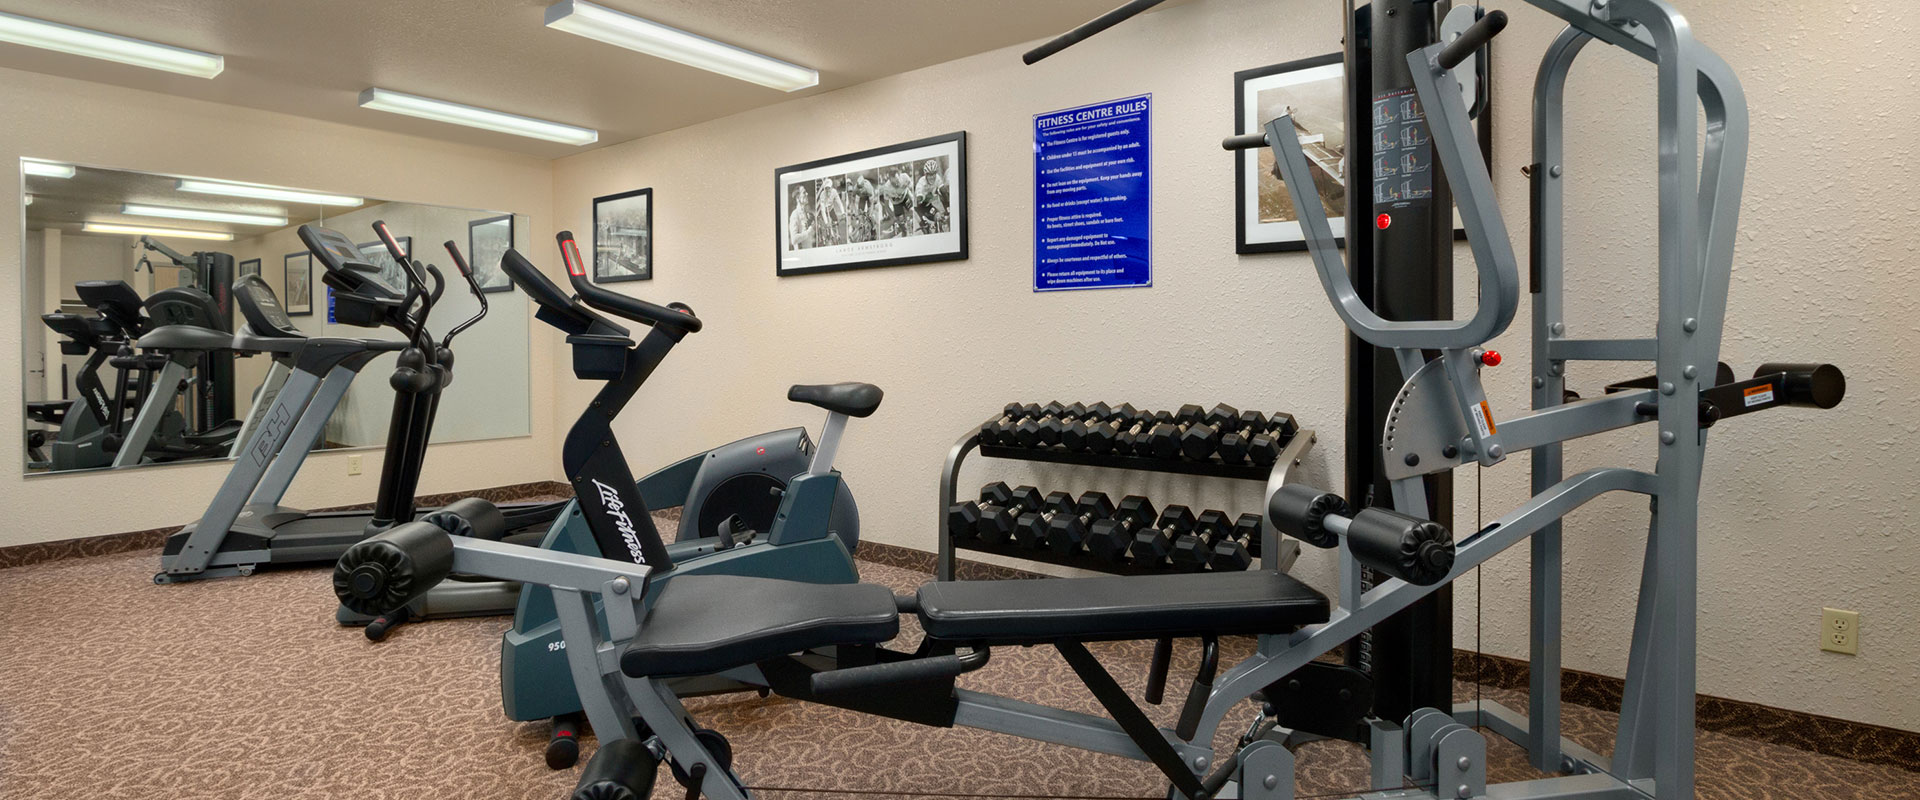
(913, 670)
(1809, 385)
(392, 569)
(622, 769)
(439, 283)
(1417, 551)
(1473, 39)
(386, 238)
(1245, 141)
(472, 517)
(459, 261)
(1301, 511)
(1087, 29)
(1157, 670)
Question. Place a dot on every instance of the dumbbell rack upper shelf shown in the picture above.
(1274, 555)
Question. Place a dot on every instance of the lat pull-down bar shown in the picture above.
(1088, 28)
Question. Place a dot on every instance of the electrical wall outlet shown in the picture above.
(353, 465)
(1840, 631)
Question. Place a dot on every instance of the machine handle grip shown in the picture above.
(1245, 141)
(1086, 29)
(439, 283)
(386, 238)
(910, 671)
(1473, 38)
(459, 261)
(615, 303)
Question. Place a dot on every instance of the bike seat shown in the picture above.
(851, 399)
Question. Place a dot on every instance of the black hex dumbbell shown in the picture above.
(1192, 550)
(1228, 542)
(963, 518)
(1074, 433)
(1153, 547)
(1199, 439)
(1250, 530)
(1109, 539)
(1067, 534)
(1030, 531)
(998, 517)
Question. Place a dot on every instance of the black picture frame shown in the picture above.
(297, 296)
(1247, 239)
(250, 266)
(375, 252)
(486, 263)
(946, 241)
(611, 247)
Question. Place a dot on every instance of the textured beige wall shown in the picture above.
(1804, 509)
(93, 124)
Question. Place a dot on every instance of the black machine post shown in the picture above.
(1405, 272)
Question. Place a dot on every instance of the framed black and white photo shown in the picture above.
(901, 204)
(623, 237)
(250, 266)
(391, 274)
(1313, 90)
(297, 295)
(487, 241)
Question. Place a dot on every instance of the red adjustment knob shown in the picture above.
(1383, 221)
(1490, 358)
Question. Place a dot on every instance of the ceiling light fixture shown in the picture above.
(46, 169)
(27, 199)
(200, 215)
(141, 230)
(442, 111)
(94, 44)
(257, 192)
(604, 24)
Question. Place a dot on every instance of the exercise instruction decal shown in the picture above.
(1091, 196)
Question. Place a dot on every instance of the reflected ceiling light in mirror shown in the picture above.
(109, 47)
(264, 192)
(142, 230)
(45, 169)
(604, 24)
(499, 121)
(26, 199)
(202, 215)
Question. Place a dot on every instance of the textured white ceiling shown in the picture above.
(313, 58)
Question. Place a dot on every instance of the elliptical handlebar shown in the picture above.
(679, 320)
(466, 271)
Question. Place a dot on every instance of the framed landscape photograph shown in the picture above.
(623, 237)
(375, 252)
(1314, 90)
(297, 296)
(900, 204)
(487, 242)
(250, 266)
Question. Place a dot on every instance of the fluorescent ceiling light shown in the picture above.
(46, 169)
(140, 230)
(582, 18)
(203, 216)
(443, 111)
(28, 199)
(264, 193)
(94, 44)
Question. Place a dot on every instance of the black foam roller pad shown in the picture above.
(620, 770)
(1300, 511)
(390, 570)
(1417, 551)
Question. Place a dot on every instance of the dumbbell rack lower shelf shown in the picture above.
(1275, 553)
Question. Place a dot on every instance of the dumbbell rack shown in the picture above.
(1275, 553)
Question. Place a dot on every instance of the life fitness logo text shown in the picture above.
(618, 510)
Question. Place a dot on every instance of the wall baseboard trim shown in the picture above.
(1856, 741)
(110, 544)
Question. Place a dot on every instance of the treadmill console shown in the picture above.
(263, 312)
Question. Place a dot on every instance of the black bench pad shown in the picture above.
(1118, 608)
(701, 624)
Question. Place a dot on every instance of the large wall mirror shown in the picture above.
(112, 257)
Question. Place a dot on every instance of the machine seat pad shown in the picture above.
(1118, 608)
(701, 624)
(851, 399)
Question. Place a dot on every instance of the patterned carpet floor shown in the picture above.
(112, 687)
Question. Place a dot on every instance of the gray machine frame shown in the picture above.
(1447, 425)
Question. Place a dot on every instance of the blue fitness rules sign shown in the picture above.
(1091, 198)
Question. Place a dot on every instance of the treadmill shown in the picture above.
(246, 527)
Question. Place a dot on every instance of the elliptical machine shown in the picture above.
(766, 506)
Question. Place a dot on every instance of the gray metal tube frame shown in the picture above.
(166, 389)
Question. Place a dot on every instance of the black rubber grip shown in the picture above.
(395, 568)
(1245, 141)
(622, 769)
(460, 261)
(618, 304)
(1089, 28)
(1809, 385)
(1417, 551)
(1473, 39)
(1301, 511)
(439, 283)
(472, 517)
(914, 670)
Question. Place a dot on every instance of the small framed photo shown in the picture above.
(375, 252)
(297, 296)
(623, 237)
(900, 204)
(250, 266)
(1314, 90)
(487, 242)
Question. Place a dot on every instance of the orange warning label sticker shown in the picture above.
(1483, 419)
(1755, 395)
